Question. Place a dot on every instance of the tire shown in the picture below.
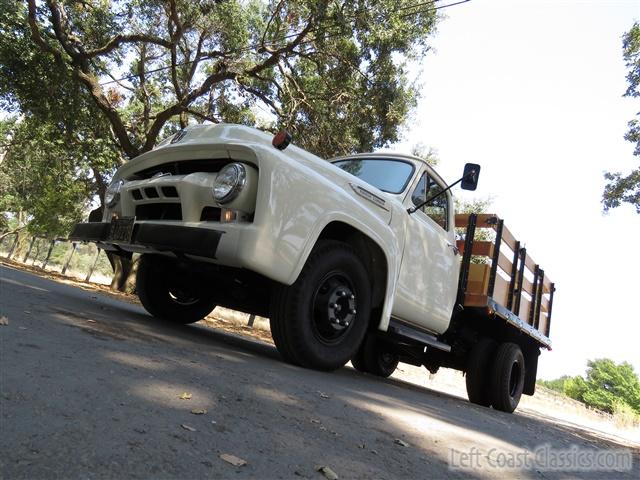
(320, 320)
(507, 377)
(373, 357)
(478, 373)
(171, 294)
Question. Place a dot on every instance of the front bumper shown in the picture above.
(177, 239)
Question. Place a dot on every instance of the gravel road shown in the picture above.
(93, 387)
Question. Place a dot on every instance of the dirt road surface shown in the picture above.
(93, 387)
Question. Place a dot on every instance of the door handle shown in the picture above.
(453, 247)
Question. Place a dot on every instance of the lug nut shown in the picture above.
(352, 311)
(333, 320)
(352, 296)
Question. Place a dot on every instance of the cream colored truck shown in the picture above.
(344, 256)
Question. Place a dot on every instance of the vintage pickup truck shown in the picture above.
(356, 258)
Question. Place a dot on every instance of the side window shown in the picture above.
(420, 193)
(438, 209)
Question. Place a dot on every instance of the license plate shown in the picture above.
(121, 229)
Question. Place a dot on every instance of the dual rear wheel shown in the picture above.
(495, 374)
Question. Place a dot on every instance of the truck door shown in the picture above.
(428, 280)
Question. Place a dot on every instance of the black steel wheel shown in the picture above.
(478, 372)
(171, 293)
(375, 357)
(320, 320)
(507, 377)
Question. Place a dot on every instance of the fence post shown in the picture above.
(46, 260)
(35, 255)
(66, 264)
(24, 260)
(95, 262)
(13, 247)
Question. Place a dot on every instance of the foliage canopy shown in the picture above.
(626, 188)
(331, 72)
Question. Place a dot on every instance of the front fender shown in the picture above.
(295, 203)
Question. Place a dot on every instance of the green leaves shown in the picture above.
(626, 188)
(50, 173)
(606, 386)
(331, 72)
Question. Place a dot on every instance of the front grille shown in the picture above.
(151, 192)
(159, 211)
(169, 192)
(184, 167)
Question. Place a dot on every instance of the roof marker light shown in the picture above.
(281, 140)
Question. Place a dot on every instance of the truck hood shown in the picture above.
(225, 141)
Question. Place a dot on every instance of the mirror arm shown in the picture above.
(430, 199)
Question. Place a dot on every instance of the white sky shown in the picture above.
(532, 91)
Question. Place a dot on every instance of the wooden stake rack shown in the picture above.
(500, 271)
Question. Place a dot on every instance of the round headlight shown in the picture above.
(229, 182)
(112, 195)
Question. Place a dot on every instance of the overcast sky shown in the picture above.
(532, 90)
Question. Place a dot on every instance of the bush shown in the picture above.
(625, 416)
(556, 385)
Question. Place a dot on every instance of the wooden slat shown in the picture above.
(544, 321)
(530, 264)
(547, 284)
(462, 219)
(544, 304)
(524, 309)
(481, 248)
(508, 238)
(501, 290)
(527, 286)
(505, 264)
(475, 300)
(478, 279)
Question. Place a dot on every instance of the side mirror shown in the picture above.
(470, 176)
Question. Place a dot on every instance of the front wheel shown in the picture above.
(320, 320)
(166, 291)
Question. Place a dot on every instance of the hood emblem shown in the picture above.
(179, 136)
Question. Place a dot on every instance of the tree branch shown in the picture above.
(119, 40)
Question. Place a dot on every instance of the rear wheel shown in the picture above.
(375, 357)
(171, 293)
(478, 373)
(507, 377)
(320, 320)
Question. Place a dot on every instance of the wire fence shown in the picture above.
(83, 261)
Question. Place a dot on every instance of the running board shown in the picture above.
(406, 332)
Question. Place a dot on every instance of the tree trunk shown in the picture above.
(124, 269)
(124, 273)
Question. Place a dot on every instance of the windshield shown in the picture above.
(385, 174)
